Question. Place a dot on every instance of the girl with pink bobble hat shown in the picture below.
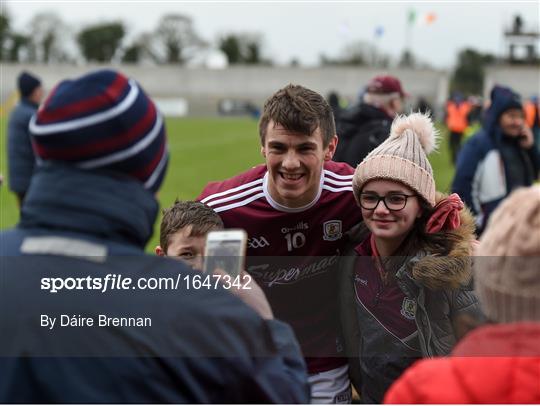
(407, 275)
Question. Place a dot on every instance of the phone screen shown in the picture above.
(225, 250)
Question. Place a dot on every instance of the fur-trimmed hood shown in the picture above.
(431, 268)
(436, 271)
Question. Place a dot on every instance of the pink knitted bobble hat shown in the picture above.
(402, 157)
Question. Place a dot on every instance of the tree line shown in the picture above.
(173, 41)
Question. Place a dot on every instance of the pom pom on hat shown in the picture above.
(421, 125)
(402, 157)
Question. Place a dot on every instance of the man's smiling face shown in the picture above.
(295, 163)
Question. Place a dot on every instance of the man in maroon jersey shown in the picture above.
(296, 209)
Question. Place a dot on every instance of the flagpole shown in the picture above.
(411, 17)
(378, 33)
(408, 37)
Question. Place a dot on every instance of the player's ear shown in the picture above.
(159, 251)
(331, 148)
(263, 151)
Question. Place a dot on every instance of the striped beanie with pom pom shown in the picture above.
(402, 157)
(102, 120)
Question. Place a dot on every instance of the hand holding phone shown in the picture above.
(526, 140)
(252, 295)
(225, 250)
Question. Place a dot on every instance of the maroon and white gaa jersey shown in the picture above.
(292, 252)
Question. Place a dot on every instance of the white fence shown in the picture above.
(202, 89)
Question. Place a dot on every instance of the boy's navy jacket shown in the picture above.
(203, 346)
(21, 160)
(487, 161)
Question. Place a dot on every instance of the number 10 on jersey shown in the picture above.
(295, 240)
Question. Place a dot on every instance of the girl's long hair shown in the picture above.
(418, 240)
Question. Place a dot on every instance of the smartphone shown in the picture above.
(225, 250)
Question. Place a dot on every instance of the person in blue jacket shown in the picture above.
(86, 316)
(499, 158)
(21, 160)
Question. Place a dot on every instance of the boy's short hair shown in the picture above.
(299, 109)
(181, 214)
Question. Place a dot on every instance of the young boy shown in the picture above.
(183, 231)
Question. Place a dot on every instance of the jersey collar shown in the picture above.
(286, 209)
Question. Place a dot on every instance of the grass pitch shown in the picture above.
(203, 150)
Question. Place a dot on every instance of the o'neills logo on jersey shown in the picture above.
(285, 276)
(259, 242)
(300, 226)
(332, 230)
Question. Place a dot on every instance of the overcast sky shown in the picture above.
(304, 30)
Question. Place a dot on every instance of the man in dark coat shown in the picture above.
(21, 158)
(366, 125)
(499, 158)
(86, 316)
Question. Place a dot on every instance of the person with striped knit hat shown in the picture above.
(406, 275)
(80, 323)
